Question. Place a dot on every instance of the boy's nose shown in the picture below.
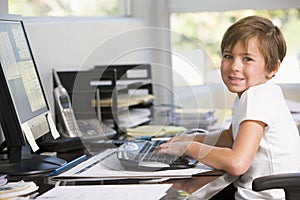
(236, 66)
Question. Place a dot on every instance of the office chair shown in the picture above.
(289, 182)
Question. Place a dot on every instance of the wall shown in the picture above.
(79, 43)
(3, 7)
(156, 15)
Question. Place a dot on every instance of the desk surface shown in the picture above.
(203, 186)
(200, 186)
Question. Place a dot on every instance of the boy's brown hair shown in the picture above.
(271, 42)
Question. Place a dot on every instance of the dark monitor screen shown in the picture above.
(23, 101)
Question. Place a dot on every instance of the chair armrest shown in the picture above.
(276, 181)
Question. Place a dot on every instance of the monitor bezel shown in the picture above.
(14, 135)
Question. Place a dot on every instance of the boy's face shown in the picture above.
(242, 68)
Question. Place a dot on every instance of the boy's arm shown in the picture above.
(218, 138)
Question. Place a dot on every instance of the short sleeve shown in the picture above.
(258, 103)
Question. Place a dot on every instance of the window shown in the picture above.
(203, 31)
(64, 7)
(196, 57)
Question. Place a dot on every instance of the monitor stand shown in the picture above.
(30, 167)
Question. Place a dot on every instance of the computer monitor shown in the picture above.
(24, 111)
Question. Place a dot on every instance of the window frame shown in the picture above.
(179, 6)
(124, 9)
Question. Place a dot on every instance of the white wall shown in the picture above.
(82, 43)
(3, 7)
(156, 15)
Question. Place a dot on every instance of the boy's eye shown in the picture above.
(227, 56)
(247, 59)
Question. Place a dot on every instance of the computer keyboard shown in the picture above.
(140, 156)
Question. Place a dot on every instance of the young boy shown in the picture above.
(263, 138)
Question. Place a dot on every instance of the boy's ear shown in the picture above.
(272, 73)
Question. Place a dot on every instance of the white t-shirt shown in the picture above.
(280, 145)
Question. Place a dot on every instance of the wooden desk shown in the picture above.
(203, 186)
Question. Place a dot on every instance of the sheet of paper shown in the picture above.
(104, 192)
(106, 166)
(52, 126)
(29, 137)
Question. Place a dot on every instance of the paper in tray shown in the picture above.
(154, 130)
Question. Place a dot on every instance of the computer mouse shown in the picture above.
(129, 146)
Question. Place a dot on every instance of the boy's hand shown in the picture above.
(174, 148)
(182, 138)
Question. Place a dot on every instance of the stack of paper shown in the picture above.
(294, 107)
(154, 130)
(134, 117)
(115, 192)
(125, 100)
(106, 166)
(191, 118)
(17, 189)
